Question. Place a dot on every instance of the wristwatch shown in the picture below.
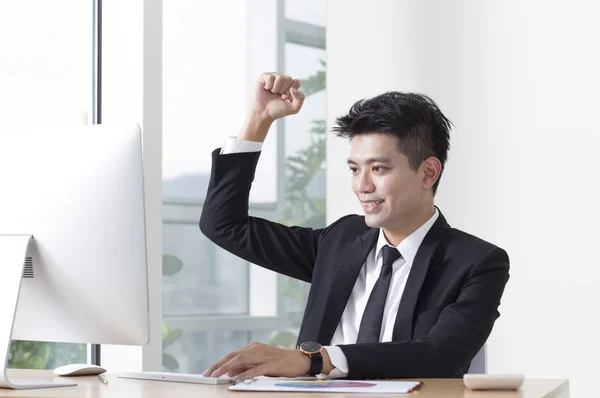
(313, 350)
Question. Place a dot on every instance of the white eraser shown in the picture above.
(493, 381)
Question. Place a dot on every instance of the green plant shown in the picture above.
(169, 336)
(43, 355)
(301, 168)
(304, 165)
(300, 209)
(171, 266)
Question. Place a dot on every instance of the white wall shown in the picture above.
(519, 79)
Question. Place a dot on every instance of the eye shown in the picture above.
(379, 169)
(353, 170)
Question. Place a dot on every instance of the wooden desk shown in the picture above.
(90, 386)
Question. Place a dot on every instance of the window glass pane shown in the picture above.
(310, 11)
(211, 305)
(205, 94)
(304, 202)
(45, 62)
(200, 278)
(305, 140)
(194, 352)
(44, 355)
(45, 80)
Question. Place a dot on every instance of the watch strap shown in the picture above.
(316, 363)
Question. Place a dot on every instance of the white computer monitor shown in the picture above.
(79, 192)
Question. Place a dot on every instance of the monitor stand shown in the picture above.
(13, 251)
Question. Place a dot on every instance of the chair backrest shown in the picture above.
(478, 364)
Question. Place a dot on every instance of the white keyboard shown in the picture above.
(176, 377)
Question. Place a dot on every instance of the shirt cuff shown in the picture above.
(339, 362)
(233, 145)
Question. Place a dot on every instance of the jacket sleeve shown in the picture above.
(461, 330)
(225, 221)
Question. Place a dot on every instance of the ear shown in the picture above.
(432, 168)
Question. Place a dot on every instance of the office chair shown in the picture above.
(478, 364)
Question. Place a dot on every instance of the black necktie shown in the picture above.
(370, 325)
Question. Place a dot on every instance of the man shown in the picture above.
(397, 293)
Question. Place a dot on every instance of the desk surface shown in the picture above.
(90, 386)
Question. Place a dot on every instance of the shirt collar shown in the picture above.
(409, 246)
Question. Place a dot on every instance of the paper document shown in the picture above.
(345, 386)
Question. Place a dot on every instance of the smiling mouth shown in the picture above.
(372, 206)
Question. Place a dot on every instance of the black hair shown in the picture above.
(415, 119)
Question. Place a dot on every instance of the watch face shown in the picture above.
(310, 346)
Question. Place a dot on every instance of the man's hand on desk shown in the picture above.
(258, 359)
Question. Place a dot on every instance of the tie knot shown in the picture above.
(390, 254)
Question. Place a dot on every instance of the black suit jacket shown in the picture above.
(447, 310)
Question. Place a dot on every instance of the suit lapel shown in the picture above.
(343, 282)
(403, 326)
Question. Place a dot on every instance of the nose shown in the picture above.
(364, 183)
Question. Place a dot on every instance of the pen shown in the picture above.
(103, 379)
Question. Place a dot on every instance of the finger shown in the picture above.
(250, 347)
(287, 83)
(286, 95)
(296, 84)
(279, 80)
(236, 371)
(267, 80)
(240, 362)
(256, 371)
(217, 365)
(297, 100)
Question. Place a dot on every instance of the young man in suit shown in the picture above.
(396, 293)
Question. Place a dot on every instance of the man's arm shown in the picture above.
(461, 330)
(225, 219)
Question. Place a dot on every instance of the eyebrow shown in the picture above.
(380, 159)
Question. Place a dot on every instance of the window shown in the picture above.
(214, 302)
(46, 76)
(309, 11)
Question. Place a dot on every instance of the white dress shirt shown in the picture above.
(347, 329)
